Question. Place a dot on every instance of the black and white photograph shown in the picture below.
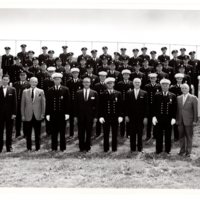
(100, 95)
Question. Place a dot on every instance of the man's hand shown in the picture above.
(66, 117)
(48, 117)
(173, 121)
(154, 121)
(127, 119)
(145, 121)
(101, 120)
(120, 120)
(13, 116)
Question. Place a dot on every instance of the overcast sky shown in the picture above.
(142, 26)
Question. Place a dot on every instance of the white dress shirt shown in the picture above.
(84, 92)
(4, 90)
(136, 91)
(185, 97)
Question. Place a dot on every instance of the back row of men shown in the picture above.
(106, 103)
(139, 65)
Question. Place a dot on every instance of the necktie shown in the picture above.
(32, 94)
(86, 91)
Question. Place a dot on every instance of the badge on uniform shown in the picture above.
(61, 97)
(116, 99)
(92, 98)
(170, 101)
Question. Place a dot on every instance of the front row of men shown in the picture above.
(137, 111)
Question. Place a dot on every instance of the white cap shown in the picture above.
(51, 69)
(103, 73)
(179, 75)
(75, 69)
(57, 75)
(109, 79)
(164, 80)
(198, 77)
(126, 71)
(153, 75)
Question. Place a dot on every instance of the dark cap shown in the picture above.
(104, 57)
(125, 58)
(185, 57)
(35, 58)
(58, 59)
(137, 64)
(22, 73)
(64, 47)
(84, 48)
(153, 52)
(23, 46)
(135, 50)
(82, 58)
(44, 47)
(158, 64)
(174, 51)
(70, 54)
(51, 51)
(7, 48)
(88, 66)
(183, 49)
(104, 47)
(192, 53)
(116, 53)
(123, 49)
(16, 58)
(112, 63)
(94, 51)
(164, 48)
(31, 52)
(143, 48)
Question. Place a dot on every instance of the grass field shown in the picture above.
(120, 169)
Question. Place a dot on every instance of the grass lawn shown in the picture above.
(120, 169)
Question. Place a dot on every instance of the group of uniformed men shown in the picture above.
(120, 91)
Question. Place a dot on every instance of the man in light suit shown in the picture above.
(33, 111)
(187, 117)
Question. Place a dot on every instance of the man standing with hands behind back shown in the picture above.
(187, 118)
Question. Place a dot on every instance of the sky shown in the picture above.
(99, 27)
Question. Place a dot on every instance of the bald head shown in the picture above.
(185, 88)
(137, 83)
(33, 82)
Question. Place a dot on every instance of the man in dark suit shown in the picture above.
(153, 61)
(164, 116)
(95, 61)
(110, 113)
(187, 117)
(57, 111)
(20, 86)
(136, 114)
(33, 106)
(144, 55)
(84, 55)
(64, 56)
(135, 59)
(7, 60)
(74, 85)
(105, 54)
(8, 110)
(86, 108)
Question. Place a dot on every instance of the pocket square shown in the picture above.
(92, 97)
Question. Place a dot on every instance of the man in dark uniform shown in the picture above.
(164, 115)
(174, 62)
(105, 54)
(164, 56)
(123, 54)
(110, 113)
(29, 61)
(176, 89)
(160, 73)
(15, 70)
(182, 56)
(104, 64)
(135, 59)
(95, 61)
(169, 70)
(100, 87)
(89, 73)
(59, 67)
(146, 69)
(153, 61)
(125, 65)
(84, 55)
(136, 114)
(82, 66)
(71, 60)
(196, 70)
(23, 55)
(20, 86)
(7, 60)
(188, 69)
(124, 86)
(44, 56)
(57, 111)
(144, 55)
(51, 60)
(86, 109)
(64, 56)
(67, 75)
(41, 75)
(187, 78)
(112, 72)
(138, 74)
(74, 85)
(116, 60)
(151, 88)
(35, 68)
(8, 111)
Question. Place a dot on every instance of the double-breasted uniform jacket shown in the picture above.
(100, 88)
(14, 72)
(42, 58)
(6, 62)
(41, 76)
